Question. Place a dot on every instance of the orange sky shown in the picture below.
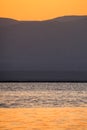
(41, 9)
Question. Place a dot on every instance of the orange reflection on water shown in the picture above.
(43, 119)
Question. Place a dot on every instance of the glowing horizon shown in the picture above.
(41, 9)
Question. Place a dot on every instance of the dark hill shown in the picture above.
(45, 50)
(68, 18)
(7, 22)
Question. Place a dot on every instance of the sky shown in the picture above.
(41, 9)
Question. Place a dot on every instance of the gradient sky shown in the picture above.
(41, 9)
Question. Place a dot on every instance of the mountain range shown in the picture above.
(54, 49)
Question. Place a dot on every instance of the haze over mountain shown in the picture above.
(55, 45)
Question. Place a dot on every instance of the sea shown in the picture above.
(28, 95)
(43, 106)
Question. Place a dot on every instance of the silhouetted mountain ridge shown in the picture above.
(46, 46)
(68, 18)
(7, 21)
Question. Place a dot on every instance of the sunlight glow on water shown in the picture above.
(43, 119)
(43, 106)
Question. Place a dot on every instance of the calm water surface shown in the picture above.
(43, 119)
(43, 106)
(43, 95)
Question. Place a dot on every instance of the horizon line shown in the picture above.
(45, 19)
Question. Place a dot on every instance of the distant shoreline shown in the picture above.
(43, 76)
